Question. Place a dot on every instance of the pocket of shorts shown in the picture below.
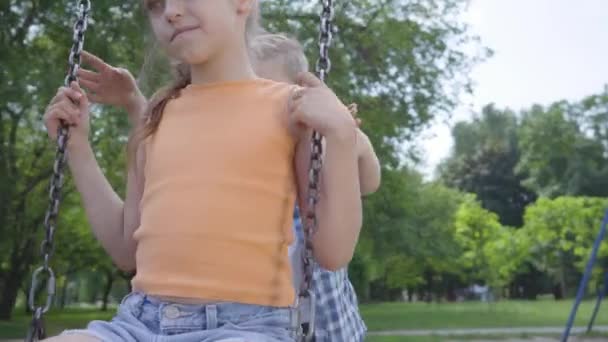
(130, 306)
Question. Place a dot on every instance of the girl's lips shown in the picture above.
(181, 30)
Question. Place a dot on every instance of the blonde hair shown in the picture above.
(267, 46)
(182, 77)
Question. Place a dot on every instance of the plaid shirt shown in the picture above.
(337, 312)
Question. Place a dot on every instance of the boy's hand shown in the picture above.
(107, 84)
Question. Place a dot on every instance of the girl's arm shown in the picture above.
(339, 212)
(136, 107)
(106, 212)
(112, 86)
(339, 209)
(131, 210)
(104, 208)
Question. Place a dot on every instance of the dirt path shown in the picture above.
(453, 334)
(537, 339)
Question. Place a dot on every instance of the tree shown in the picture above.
(417, 44)
(407, 239)
(402, 60)
(483, 162)
(32, 29)
(564, 229)
(490, 251)
(558, 157)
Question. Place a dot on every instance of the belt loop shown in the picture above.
(211, 316)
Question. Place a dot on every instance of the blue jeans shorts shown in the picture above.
(145, 318)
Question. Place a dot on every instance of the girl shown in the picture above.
(279, 58)
(218, 148)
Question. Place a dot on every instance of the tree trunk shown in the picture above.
(451, 293)
(557, 292)
(25, 291)
(64, 291)
(14, 279)
(107, 289)
(429, 287)
(562, 276)
(11, 289)
(9, 295)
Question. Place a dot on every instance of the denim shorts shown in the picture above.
(146, 318)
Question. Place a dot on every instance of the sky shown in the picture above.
(544, 51)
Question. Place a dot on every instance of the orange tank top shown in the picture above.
(216, 212)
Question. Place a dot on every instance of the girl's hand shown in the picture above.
(71, 106)
(315, 106)
(107, 84)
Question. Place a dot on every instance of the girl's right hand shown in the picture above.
(71, 106)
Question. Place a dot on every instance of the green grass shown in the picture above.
(404, 339)
(386, 316)
(467, 338)
(57, 321)
(434, 338)
(393, 316)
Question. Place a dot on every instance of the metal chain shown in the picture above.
(310, 218)
(36, 330)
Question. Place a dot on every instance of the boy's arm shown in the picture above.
(369, 165)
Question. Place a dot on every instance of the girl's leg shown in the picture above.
(72, 338)
(130, 324)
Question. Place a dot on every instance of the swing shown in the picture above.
(305, 300)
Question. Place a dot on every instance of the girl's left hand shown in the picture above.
(315, 106)
(108, 84)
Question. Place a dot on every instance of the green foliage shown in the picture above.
(408, 231)
(558, 156)
(491, 252)
(564, 230)
(402, 61)
(34, 42)
(484, 161)
(508, 159)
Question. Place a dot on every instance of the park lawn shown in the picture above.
(404, 339)
(57, 321)
(394, 316)
(387, 316)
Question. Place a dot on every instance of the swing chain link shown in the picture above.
(36, 330)
(306, 293)
(323, 65)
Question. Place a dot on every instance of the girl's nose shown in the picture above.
(174, 10)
